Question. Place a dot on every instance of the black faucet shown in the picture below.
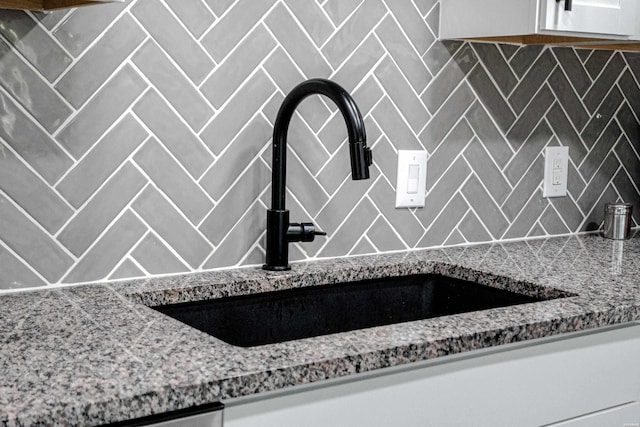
(279, 230)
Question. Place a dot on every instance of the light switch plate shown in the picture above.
(556, 164)
(411, 181)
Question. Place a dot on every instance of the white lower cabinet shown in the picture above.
(583, 379)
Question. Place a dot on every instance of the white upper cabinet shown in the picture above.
(598, 19)
(614, 17)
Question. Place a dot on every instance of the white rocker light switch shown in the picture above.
(411, 181)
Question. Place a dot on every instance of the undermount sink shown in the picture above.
(271, 317)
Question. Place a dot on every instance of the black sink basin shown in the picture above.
(271, 317)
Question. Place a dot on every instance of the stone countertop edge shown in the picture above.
(94, 354)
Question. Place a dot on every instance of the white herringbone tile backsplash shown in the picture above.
(135, 137)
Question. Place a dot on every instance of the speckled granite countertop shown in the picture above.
(93, 354)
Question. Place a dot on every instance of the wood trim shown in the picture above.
(46, 4)
(576, 42)
(61, 4)
(21, 4)
(540, 39)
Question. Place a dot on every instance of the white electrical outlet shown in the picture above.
(556, 168)
(411, 181)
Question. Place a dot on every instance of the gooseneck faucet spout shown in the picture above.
(279, 231)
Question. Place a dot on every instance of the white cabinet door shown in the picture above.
(613, 17)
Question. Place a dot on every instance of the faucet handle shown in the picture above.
(303, 232)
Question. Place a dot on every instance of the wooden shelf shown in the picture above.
(49, 4)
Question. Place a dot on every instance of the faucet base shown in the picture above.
(280, 232)
(277, 242)
(276, 267)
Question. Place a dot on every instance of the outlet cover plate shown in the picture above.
(556, 164)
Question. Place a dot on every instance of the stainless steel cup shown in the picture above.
(617, 220)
